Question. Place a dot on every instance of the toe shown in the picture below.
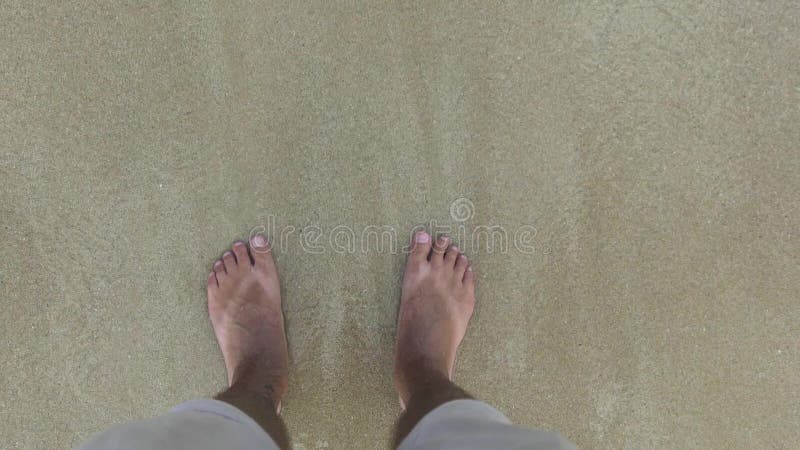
(230, 261)
(461, 266)
(212, 280)
(469, 278)
(261, 251)
(219, 268)
(439, 248)
(420, 248)
(451, 256)
(240, 251)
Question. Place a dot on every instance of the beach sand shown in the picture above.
(641, 161)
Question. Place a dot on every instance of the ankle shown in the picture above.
(424, 398)
(260, 408)
(259, 380)
(418, 376)
(263, 393)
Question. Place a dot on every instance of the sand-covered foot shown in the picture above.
(435, 307)
(244, 304)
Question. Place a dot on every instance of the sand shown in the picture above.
(648, 153)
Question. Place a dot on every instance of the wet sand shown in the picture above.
(650, 153)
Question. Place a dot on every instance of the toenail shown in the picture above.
(259, 241)
(455, 248)
(422, 237)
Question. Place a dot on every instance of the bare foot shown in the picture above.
(244, 304)
(435, 307)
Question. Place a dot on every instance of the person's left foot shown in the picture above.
(244, 304)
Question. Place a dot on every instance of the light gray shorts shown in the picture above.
(211, 424)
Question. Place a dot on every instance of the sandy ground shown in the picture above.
(645, 156)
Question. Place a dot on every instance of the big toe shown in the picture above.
(420, 248)
(261, 251)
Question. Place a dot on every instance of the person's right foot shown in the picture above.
(435, 307)
(244, 304)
